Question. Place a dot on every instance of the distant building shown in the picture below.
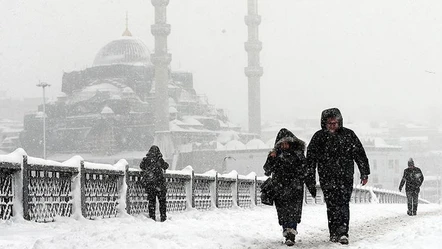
(107, 109)
(9, 135)
(386, 163)
(14, 109)
(431, 188)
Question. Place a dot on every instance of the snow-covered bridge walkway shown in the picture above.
(372, 226)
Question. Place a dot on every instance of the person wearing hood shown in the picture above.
(154, 182)
(333, 151)
(286, 164)
(413, 178)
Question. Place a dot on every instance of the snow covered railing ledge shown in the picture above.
(363, 194)
(10, 169)
(187, 190)
(47, 189)
(101, 188)
(40, 190)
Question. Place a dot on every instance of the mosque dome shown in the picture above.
(126, 50)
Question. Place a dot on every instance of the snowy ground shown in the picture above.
(372, 226)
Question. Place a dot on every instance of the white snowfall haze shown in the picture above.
(360, 49)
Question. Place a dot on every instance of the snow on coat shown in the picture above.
(153, 166)
(287, 169)
(335, 154)
(412, 178)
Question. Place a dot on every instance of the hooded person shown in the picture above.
(154, 182)
(333, 150)
(286, 164)
(413, 178)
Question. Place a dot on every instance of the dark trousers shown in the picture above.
(152, 194)
(337, 200)
(412, 201)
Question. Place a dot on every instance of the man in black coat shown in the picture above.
(333, 151)
(413, 178)
(153, 167)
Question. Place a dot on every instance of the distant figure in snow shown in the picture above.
(153, 180)
(286, 164)
(413, 178)
(333, 151)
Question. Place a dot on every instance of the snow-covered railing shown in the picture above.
(47, 189)
(40, 190)
(186, 190)
(178, 184)
(101, 186)
(7, 171)
(364, 194)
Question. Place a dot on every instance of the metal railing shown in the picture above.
(47, 189)
(364, 194)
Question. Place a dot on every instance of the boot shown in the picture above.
(163, 218)
(343, 240)
(334, 238)
(290, 235)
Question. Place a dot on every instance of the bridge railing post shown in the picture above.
(25, 196)
(235, 192)
(213, 187)
(126, 181)
(190, 195)
(83, 188)
(255, 191)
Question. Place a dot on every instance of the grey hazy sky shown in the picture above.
(377, 59)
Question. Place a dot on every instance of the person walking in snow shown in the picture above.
(333, 151)
(413, 178)
(286, 164)
(153, 180)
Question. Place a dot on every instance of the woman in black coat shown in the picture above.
(286, 164)
(153, 166)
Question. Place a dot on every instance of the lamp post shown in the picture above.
(43, 85)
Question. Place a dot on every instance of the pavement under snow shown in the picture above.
(371, 226)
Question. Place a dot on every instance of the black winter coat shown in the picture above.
(413, 178)
(287, 170)
(334, 154)
(153, 166)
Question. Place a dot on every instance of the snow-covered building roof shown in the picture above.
(186, 97)
(107, 110)
(218, 145)
(128, 90)
(256, 144)
(226, 136)
(177, 122)
(409, 139)
(125, 50)
(191, 121)
(172, 102)
(172, 110)
(235, 145)
(364, 128)
(377, 142)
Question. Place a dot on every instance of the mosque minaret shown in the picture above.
(253, 71)
(161, 60)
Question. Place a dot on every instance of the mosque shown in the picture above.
(126, 101)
